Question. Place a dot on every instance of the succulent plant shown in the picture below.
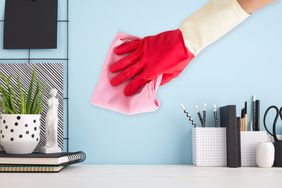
(26, 103)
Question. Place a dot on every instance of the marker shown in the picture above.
(188, 116)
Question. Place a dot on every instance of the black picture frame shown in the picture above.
(30, 24)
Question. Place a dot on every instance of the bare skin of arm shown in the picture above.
(251, 6)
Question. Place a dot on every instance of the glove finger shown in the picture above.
(125, 62)
(135, 85)
(127, 74)
(127, 47)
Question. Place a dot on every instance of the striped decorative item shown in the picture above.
(50, 74)
(188, 116)
(191, 119)
(215, 116)
(205, 115)
(200, 116)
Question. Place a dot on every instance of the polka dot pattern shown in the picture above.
(19, 129)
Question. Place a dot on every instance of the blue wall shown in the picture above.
(245, 62)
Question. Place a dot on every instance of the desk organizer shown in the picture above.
(249, 142)
(209, 146)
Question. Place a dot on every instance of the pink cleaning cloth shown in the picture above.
(107, 96)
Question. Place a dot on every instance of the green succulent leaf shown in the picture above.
(35, 99)
(29, 95)
(22, 98)
(26, 103)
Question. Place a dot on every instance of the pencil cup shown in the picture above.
(249, 142)
(209, 147)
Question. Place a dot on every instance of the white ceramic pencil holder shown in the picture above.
(249, 143)
(209, 146)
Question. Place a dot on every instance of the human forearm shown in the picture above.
(251, 6)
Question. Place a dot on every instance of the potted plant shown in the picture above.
(20, 118)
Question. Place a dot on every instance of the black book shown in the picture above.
(239, 139)
(55, 159)
(228, 119)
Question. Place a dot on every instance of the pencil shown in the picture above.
(215, 116)
(188, 115)
(246, 116)
(242, 120)
(200, 116)
(205, 114)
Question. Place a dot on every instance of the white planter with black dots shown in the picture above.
(19, 133)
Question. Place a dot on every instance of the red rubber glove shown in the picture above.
(150, 57)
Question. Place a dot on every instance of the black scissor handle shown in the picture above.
(278, 113)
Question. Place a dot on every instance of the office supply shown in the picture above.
(249, 141)
(30, 24)
(209, 146)
(251, 126)
(188, 115)
(205, 114)
(242, 120)
(42, 159)
(30, 168)
(200, 116)
(277, 142)
(228, 119)
(239, 140)
(246, 117)
(257, 118)
(215, 116)
(254, 113)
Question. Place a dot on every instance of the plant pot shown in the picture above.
(19, 133)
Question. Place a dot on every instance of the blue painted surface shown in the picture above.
(245, 62)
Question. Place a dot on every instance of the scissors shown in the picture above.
(278, 114)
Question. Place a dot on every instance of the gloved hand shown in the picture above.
(169, 52)
(150, 57)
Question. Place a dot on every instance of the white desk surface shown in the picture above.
(146, 176)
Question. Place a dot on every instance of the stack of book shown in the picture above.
(39, 162)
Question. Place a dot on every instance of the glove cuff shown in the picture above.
(211, 22)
